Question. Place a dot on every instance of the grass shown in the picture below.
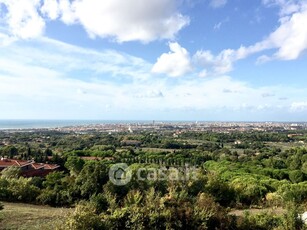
(26, 216)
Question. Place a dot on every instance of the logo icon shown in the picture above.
(120, 174)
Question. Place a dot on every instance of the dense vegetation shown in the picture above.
(235, 170)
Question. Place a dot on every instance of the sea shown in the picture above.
(37, 124)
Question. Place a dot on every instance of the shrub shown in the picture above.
(293, 192)
(296, 176)
(21, 189)
(249, 190)
(84, 217)
(262, 221)
(273, 199)
(291, 219)
(11, 172)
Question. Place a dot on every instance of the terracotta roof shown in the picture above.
(10, 162)
(51, 166)
(34, 169)
(38, 165)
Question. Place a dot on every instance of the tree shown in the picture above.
(74, 165)
(10, 151)
(304, 167)
(92, 177)
(11, 172)
(48, 152)
(21, 189)
(219, 189)
(296, 176)
(53, 180)
(248, 189)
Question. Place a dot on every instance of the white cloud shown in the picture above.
(218, 3)
(51, 9)
(129, 20)
(150, 94)
(216, 65)
(286, 7)
(291, 37)
(5, 39)
(210, 63)
(289, 40)
(298, 106)
(22, 18)
(174, 63)
(59, 9)
(67, 12)
(178, 62)
(35, 84)
(70, 60)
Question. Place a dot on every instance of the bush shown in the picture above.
(4, 192)
(293, 192)
(291, 219)
(11, 172)
(21, 189)
(296, 176)
(84, 217)
(273, 199)
(262, 221)
(249, 190)
(220, 190)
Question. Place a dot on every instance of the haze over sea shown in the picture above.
(29, 124)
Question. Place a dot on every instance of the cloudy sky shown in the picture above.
(242, 60)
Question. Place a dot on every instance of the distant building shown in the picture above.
(237, 142)
(29, 168)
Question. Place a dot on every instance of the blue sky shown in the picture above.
(153, 60)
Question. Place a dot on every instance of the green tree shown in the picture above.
(92, 177)
(74, 164)
(11, 172)
(21, 189)
(296, 176)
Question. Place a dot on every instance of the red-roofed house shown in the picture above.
(29, 168)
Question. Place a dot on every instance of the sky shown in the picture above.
(196, 60)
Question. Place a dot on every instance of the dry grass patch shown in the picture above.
(26, 216)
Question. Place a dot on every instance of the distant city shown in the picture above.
(138, 126)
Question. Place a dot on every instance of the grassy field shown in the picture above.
(26, 216)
